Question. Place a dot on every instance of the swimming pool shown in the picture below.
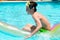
(14, 13)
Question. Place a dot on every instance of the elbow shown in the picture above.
(48, 25)
(39, 26)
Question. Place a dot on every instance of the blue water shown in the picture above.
(14, 13)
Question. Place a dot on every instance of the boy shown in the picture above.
(40, 20)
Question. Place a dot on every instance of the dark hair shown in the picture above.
(33, 4)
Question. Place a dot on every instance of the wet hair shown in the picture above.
(33, 5)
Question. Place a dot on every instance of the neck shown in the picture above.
(33, 13)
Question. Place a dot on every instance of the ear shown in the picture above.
(33, 8)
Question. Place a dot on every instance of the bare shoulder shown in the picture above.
(35, 15)
(39, 15)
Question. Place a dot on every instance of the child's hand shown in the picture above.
(28, 36)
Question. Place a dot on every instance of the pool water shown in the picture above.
(14, 13)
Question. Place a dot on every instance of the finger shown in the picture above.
(26, 37)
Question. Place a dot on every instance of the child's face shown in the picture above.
(31, 11)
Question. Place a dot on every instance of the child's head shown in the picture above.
(33, 6)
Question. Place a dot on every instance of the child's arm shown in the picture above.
(38, 25)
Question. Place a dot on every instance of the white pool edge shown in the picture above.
(24, 1)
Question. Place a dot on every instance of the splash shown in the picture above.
(54, 34)
(56, 30)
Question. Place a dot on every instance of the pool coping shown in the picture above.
(25, 1)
